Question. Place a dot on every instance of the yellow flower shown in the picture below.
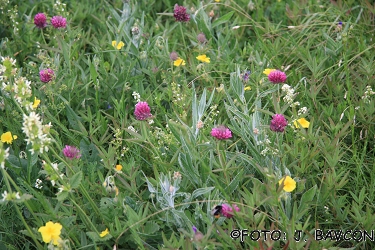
(303, 122)
(104, 233)
(203, 58)
(118, 168)
(247, 88)
(268, 71)
(217, 1)
(36, 103)
(8, 138)
(289, 183)
(51, 231)
(179, 62)
(118, 45)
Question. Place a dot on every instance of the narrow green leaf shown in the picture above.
(222, 19)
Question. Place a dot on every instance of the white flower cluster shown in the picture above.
(36, 133)
(302, 111)
(38, 184)
(136, 96)
(368, 93)
(10, 196)
(7, 68)
(289, 93)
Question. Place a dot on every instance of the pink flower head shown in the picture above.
(277, 76)
(221, 133)
(40, 20)
(278, 123)
(58, 22)
(46, 75)
(180, 14)
(227, 210)
(142, 111)
(71, 152)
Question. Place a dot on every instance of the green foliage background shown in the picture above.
(90, 105)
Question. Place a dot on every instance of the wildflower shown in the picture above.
(8, 137)
(180, 14)
(247, 88)
(5, 196)
(288, 183)
(136, 96)
(227, 210)
(236, 27)
(211, 14)
(36, 103)
(289, 93)
(178, 62)
(71, 152)
(35, 132)
(201, 38)
(118, 167)
(51, 232)
(221, 133)
(246, 75)
(173, 56)
(198, 236)
(104, 233)
(177, 176)
(200, 124)
(303, 122)
(38, 184)
(339, 26)
(203, 58)
(278, 123)
(268, 71)
(40, 20)
(46, 75)
(302, 111)
(58, 22)
(118, 45)
(142, 111)
(277, 76)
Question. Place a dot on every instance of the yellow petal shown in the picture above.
(268, 71)
(289, 183)
(303, 122)
(203, 58)
(104, 233)
(118, 167)
(247, 88)
(178, 62)
(7, 137)
(36, 103)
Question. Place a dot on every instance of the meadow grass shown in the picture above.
(151, 179)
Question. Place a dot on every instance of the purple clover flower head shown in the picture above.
(340, 23)
(221, 132)
(227, 210)
(40, 20)
(46, 75)
(142, 111)
(180, 14)
(201, 38)
(277, 76)
(71, 152)
(194, 229)
(58, 22)
(278, 123)
(173, 56)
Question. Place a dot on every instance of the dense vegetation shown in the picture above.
(150, 125)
